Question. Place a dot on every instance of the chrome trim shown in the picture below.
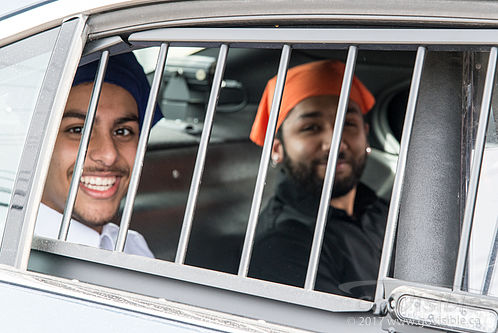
(265, 160)
(330, 36)
(328, 182)
(201, 156)
(85, 139)
(16, 244)
(446, 297)
(475, 170)
(392, 217)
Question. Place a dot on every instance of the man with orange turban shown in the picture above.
(356, 219)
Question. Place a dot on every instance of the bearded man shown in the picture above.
(356, 218)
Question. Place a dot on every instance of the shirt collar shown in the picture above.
(49, 221)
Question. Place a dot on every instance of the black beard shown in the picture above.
(305, 175)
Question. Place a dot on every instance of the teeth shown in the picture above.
(98, 183)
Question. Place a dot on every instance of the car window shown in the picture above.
(201, 189)
(22, 69)
(219, 208)
(483, 248)
(223, 208)
(200, 185)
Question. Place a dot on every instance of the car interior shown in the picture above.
(232, 160)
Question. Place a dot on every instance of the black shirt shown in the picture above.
(351, 248)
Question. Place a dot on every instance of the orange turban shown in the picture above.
(303, 81)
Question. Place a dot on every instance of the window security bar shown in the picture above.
(264, 161)
(201, 156)
(475, 170)
(250, 286)
(328, 182)
(392, 218)
(142, 147)
(85, 139)
(201, 276)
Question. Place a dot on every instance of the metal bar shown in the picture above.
(392, 218)
(178, 277)
(201, 156)
(491, 264)
(142, 147)
(40, 141)
(85, 139)
(328, 181)
(265, 160)
(332, 36)
(475, 170)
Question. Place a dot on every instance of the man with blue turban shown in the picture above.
(109, 160)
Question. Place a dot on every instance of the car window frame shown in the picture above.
(116, 260)
(40, 141)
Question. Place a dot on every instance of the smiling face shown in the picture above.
(109, 160)
(305, 140)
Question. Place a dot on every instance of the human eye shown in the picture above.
(75, 130)
(351, 121)
(310, 128)
(123, 132)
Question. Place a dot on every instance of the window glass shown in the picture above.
(482, 275)
(232, 160)
(353, 235)
(22, 69)
(230, 166)
(173, 143)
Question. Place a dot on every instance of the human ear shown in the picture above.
(277, 152)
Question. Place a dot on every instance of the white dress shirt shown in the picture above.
(48, 224)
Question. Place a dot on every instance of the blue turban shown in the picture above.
(122, 70)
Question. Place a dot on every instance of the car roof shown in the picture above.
(27, 17)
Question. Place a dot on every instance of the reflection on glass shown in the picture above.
(482, 277)
(22, 68)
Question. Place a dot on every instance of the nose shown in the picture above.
(327, 137)
(327, 140)
(102, 149)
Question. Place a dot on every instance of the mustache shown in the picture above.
(113, 170)
(341, 157)
(120, 171)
